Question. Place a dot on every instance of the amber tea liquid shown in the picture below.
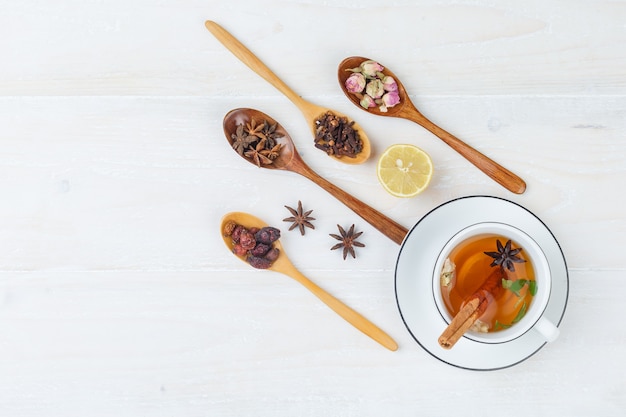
(472, 267)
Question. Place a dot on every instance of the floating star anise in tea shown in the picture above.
(505, 256)
(299, 218)
(348, 241)
(257, 141)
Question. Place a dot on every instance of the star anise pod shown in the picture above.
(272, 153)
(300, 218)
(241, 140)
(254, 129)
(505, 257)
(256, 155)
(348, 241)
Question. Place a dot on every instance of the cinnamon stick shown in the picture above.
(474, 307)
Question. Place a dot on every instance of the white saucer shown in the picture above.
(416, 263)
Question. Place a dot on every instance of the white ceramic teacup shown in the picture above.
(533, 320)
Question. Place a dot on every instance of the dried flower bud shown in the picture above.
(367, 102)
(375, 89)
(389, 84)
(391, 99)
(369, 68)
(355, 83)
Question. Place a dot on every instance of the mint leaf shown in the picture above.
(520, 314)
(506, 283)
(532, 287)
(516, 286)
(499, 325)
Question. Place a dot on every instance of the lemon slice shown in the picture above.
(404, 170)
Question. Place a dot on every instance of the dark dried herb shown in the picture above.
(299, 218)
(336, 136)
(257, 141)
(505, 256)
(348, 241)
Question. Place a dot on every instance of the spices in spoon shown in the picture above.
(253, 244)
(336, 135)
(257, 141)
(372, 86)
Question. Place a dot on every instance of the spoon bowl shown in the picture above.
(310, 111)
(283, 265)
(406, 109)
(289, 159)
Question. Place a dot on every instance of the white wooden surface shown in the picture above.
(117, 297)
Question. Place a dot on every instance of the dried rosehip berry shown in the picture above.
(239, 250)
(229, 227)
(267, 235)
(237, 233)
(253, 230)
(260, 249)
(247, 240)
(272, 254)
(259, 262)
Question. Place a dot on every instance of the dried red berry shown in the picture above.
(268, 235)
(259, 262)
(236, 233)
(272, 254)
(247, 240)
(239, 250)
(260, 249)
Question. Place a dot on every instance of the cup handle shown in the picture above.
(547, 330)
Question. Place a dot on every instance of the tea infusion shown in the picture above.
(505, 277)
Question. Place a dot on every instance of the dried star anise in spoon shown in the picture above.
(299, 218)
(257, 141)
(348, 241)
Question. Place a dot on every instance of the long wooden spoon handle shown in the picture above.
(495, 171)
(384, 224)
(247, 57)
(351, 316)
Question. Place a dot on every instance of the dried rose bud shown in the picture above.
(375, 89)
(391, 99)
(389, 84)
(369, 68)
(355, 83)
(367, 102)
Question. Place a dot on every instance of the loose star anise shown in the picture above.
(348, 241)
(505, 256)
(300, 218)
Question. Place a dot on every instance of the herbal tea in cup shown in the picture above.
(491, 284)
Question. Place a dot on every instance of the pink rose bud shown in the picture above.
(375, 89)
(367, 102)
(355, 83)
(391, 99)
(390, 84)
(370, 68)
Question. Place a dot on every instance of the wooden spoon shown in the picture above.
(310, 111)
(407, 110)
(284, 266)
(290, 160)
